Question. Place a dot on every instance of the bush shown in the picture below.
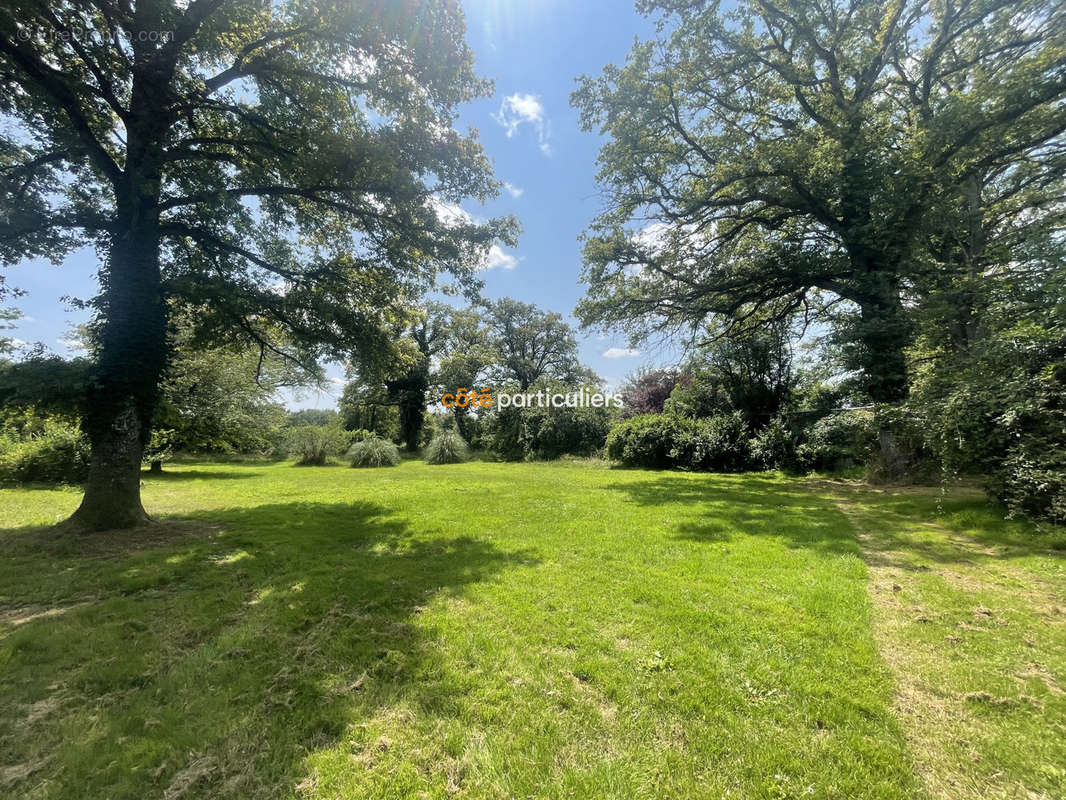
(374, 452)
(540, 432)
(839, 441)
(716, 444)
(665, 440)
(447, 447)
(314, 445)
(774, 447)
(57, 452)
(646, 440)
(1032, 480)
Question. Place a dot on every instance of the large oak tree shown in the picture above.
(280, 165)
(845, 157)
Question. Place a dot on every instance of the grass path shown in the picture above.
(970, 613)
(517, 630)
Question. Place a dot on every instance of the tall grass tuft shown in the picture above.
(374, 452)
(447, 447)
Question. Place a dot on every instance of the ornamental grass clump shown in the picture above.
(374, 452)
(447, 447)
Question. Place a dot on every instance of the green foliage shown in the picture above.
(313, 416)
(283, 168)
(223, 399)
(160, 447)
(362, 407)
(8, 318)
(718, 444)
(447, 447)
(646, 440)
(655, 441)
(531, 344)
(998, 408)
(1032, 479)
(535, 432)
(315, 445)
(774, 446)
(374, 452)
(543, 431)
(47, 383)
(840, 440)
(767, 157)
(52, 450)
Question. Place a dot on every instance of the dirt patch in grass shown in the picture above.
(20, 616)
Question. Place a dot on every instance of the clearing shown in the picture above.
(531, 631)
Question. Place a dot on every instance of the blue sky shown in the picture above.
(533, 50)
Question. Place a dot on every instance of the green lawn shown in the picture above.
(529, 630)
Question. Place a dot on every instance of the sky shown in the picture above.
(533, 50)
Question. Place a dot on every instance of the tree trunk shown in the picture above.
(883, 336)
(156, 467)
(130, 358)
(130, 327)
(113, 493)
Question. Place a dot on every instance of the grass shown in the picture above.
(528, 630)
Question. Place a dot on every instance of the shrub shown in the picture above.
(374, 452)
(57, 452)
(1032, 480)
(447, 447)
(314, 445)
(540, 432)
(646, 440)
(838, 441)
(665, 440)
(717, 444)
(774, 447)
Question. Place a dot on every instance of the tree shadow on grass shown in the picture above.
(904, 526)
(213, 662)
(716, 507)
(169, 476)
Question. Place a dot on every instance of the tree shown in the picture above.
(793, 154)
(364, 407)
(426, 336)
(281, 165)
(314, 416)
(222, 398)
(8, 316)
(747, 369)
(531, 343)
(466, 361)
(645, 391)
(403, 377)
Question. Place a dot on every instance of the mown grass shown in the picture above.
(970, 611)
(472, 630)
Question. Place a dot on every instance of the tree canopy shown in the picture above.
(281, 166)
(841, 158)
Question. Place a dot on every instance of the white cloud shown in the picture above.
(620, 352)
(514, 191)
(525, 109)
(652, 237)
(498, 258)
(449, 214)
